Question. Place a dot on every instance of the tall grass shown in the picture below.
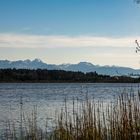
(89, 120)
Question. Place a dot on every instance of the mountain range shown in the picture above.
(82, 66)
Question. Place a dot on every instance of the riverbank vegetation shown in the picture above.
(87, 120)
(47, 76)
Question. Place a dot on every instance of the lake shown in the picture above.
(49, 97)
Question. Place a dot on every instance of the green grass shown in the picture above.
(88, 120)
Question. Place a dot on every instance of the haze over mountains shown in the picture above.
(82, 66)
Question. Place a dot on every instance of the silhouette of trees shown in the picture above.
(44, 75)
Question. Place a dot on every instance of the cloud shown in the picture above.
(38, 41)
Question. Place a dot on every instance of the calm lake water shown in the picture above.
(49, 97)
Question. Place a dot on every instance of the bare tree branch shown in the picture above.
(137, 1)
(138, 46)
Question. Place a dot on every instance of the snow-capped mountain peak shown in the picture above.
(36, 60)
(82, 66)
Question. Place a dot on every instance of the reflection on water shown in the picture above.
(49, 97)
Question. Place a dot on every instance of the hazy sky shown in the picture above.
(69, 31)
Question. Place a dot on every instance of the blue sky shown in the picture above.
(69, 31)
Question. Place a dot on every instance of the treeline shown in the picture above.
(44, 75)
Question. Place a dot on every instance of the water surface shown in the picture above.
(49, 97)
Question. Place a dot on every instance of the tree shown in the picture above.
(137, 43)
(138, 46)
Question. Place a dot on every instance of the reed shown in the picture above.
(91, 121)
(88, 120)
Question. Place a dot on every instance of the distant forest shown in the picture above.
(44, 75)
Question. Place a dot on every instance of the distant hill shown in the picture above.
(82, 66)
